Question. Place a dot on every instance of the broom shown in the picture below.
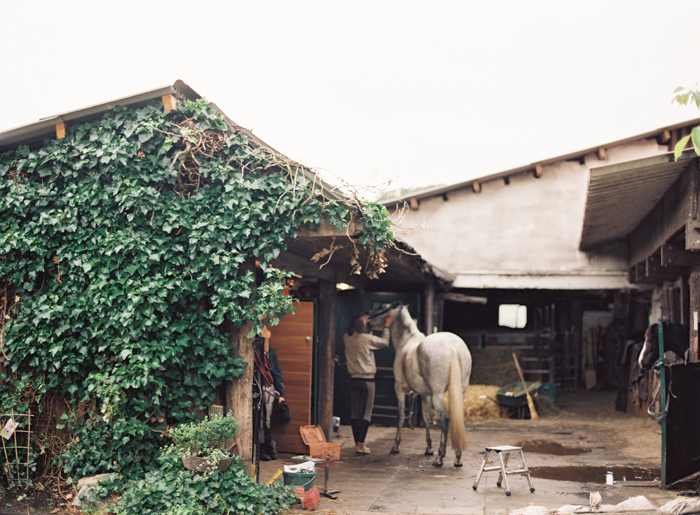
(530, 404)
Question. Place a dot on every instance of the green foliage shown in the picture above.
(169, 489)
(684, 96)
(202, 438)
(126, 446)
(122, 253)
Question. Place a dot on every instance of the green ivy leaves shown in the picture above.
(125, 242)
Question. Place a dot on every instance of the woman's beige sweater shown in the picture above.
(358, 352)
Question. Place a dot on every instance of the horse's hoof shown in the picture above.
(437, 462)
(458, 463)
(429, 452)
(394, 450)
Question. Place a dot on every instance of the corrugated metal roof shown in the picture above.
(621, 195)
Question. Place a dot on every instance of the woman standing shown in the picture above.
(359, 357)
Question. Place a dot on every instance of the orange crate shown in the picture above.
(318, 447)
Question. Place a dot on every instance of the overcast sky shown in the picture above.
(417, 93)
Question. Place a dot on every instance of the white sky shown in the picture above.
(418, 93)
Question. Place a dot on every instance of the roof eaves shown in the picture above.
(36, 132)
(530, 168)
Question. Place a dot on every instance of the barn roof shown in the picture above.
(620, 196)
(34, 134)
(667, 135)
(405, 266)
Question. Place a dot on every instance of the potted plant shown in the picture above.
(202, 445)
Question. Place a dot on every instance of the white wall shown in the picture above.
(524, 234)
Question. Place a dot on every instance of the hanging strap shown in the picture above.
(264, 367)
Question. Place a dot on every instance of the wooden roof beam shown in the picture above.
(60, 130)
(169, 102)
(675, 255)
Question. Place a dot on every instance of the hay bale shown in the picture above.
(480, 402)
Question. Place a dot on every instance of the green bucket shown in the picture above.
(304, 479)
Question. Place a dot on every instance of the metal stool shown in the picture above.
(503, 453)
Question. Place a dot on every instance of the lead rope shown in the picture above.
(658, 416)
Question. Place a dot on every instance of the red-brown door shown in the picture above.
(293, 340)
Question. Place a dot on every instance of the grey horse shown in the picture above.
(429, 366)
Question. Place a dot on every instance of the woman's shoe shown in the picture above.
(365, 452)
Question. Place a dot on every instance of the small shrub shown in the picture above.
(203, 439)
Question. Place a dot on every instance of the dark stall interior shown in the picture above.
(572, 339)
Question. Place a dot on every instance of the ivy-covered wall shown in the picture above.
(120, 249)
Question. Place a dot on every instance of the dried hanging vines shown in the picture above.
(207, 142)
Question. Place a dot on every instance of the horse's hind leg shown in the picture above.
(439, 405)
(458, 459)
(401, 396)
(425, 413)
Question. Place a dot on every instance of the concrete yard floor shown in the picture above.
(587, 434)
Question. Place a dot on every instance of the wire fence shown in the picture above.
(16, 439)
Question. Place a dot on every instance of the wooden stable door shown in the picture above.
(293, 340)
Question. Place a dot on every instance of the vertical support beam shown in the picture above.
(662, 399)
(327, 301)
(694, 286)
(439, 312)
(239, 391)
(429, 294)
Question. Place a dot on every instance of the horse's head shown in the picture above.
(378, 314)
(676, 342)
(404, 315)
(650, 350)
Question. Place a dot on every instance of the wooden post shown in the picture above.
(326, 354)
(60, 130)
(694, 284)
(429, 293)
(239, 391)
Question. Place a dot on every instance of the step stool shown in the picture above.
(503, 453)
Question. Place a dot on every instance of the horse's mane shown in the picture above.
(410, 328)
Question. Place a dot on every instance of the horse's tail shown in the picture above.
(456, 433)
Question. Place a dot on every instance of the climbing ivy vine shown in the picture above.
(121, 260)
